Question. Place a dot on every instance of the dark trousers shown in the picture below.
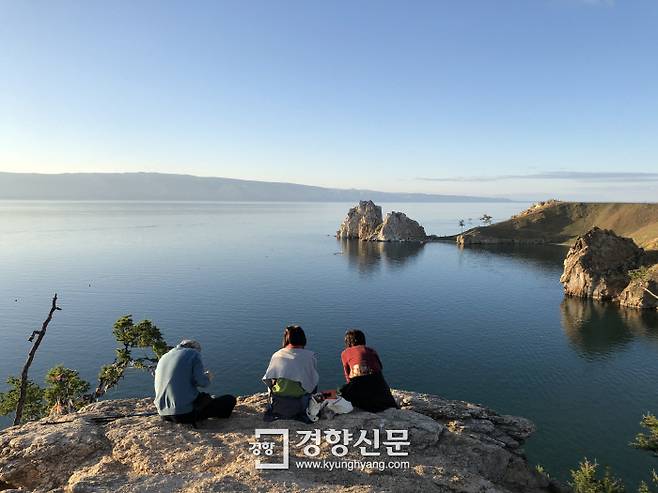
(206, 406)
(368, 392)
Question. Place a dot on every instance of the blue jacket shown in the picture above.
(177, 376)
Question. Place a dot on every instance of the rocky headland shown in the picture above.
(365, 222)
(559, 222)
(120, 446)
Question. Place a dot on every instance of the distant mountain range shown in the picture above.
(160, 186)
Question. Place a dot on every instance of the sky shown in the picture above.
(526, 99)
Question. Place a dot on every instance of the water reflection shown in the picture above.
(599, 329)
(369, 256)
(544, 257)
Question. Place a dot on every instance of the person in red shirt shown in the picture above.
(365, 387)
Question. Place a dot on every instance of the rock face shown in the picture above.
(364, 222)
(642, 293)
(454, 446)
(597, 266)
(361, 222)
(398, 227)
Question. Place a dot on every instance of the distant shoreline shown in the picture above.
(147, 187)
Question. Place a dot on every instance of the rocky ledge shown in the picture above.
(598, 266)
(364, 222)
(109, 447)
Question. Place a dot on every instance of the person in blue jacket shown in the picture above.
(178, 375)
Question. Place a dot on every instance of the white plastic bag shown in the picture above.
(339, 405)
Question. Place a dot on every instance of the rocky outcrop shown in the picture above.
(364, 222)
(361, 222)
(537, 207)
(398, 227)
(597, 266)
(108, 446)
(642, 293)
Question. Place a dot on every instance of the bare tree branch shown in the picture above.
(33, 350)
(652, 294)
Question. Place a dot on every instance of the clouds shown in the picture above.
(575, 176)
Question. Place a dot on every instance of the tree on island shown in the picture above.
(462, 223)
(486, 219)
(642, 276)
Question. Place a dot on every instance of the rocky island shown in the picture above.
(364, 222)
(120, 446)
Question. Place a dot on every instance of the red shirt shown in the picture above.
(359, 361)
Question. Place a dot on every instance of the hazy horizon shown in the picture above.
(186, 187)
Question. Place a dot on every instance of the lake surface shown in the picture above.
(484, 325)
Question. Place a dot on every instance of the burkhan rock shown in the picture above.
(398, 227)
(364, 222)
(454, 446)
(361, 222)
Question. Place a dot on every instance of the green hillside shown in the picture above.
(562, 222)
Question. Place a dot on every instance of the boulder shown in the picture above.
(361, 221)
(121, 446)
(398, 227)
(597, 265)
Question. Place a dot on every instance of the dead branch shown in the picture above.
(30, 357)
(652, 294)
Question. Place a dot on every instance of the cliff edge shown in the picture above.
(119, 446)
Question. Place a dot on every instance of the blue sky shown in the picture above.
(525, 99)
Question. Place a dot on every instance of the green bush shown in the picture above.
(65, 390)
(585, 480)
(35, 404)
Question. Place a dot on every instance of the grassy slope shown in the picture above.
(564, 221)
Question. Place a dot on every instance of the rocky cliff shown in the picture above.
(598, 266)
(116, 446)
(364, 222)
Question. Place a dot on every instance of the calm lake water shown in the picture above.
(483, 325)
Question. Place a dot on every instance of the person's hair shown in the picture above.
(354, 337)
(191, 344)
(294, 335)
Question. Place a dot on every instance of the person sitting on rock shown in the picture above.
(178, 374)
(291, 378)
(365, 387)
